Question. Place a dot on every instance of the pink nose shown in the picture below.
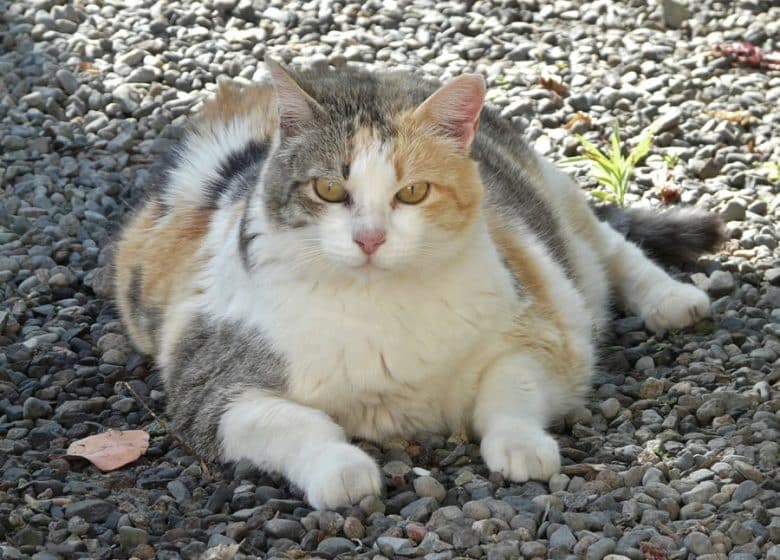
(369, 240)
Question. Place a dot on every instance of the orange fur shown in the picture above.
(233, 102)
(165, 252)
(419, 154)
(362, 140)
(540, 327)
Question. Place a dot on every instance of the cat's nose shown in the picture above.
(369, 240)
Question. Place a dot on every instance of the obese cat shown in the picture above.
(338, 254)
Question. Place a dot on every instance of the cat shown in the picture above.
(341, 253)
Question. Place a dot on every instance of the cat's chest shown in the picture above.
(383, 364)
(361, 345)
(375, 340)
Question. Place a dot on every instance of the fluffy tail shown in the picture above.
(670, 236)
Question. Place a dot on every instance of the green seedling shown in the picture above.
(771, 169)
(671, 159)
(612, 169)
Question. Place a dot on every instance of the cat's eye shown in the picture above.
(414, 193)
(330, 190)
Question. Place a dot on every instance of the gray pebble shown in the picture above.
(35, 408)
(427, 486)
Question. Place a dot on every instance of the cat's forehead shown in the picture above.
(372, 167)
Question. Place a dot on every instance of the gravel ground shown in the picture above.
(675, 456)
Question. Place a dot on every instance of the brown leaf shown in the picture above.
(669, 194)
(553, 85)
(576, 118)
(744, 118)
(112, 449)
(651, 551)
(88, 67)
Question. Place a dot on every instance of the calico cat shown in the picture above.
(340, 254)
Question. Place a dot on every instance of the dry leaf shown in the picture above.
(553, 85)
(749, 54)
(651, 551)
(112, 449)
(669, 194)
(578, 117)
(744, 118)
(88, 67)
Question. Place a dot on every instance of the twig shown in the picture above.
(203, 465)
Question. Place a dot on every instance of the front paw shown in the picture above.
(675, 306)
(341, 475)
(521, 453)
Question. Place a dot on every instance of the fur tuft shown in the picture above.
(671, 236)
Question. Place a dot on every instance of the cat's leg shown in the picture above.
(302, 443)
(646, 289)
(516, 399)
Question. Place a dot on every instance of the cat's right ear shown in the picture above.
(296, 107)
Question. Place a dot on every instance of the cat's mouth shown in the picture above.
(370, 265)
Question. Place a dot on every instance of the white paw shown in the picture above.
(341, 475)
(674, 306)
(522, 453)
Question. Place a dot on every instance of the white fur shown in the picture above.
(201, 156)
(302, 442)
(419, 341)
(645, 289)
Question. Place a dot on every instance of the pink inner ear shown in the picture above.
(466, 126)
(455, 107)
(295, 106)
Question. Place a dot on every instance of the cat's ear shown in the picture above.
(454, 108)
(296, 107)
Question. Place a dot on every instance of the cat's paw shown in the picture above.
(341, 475)
(674, 306)
(521, 454)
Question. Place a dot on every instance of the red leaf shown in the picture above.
(652, 552)
(112, 449)
(749, 55)
(669, 194)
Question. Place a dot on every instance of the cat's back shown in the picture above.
(162, 247)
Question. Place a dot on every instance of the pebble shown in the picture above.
(284, 528)
(562, 539)
(684, 420)
(610, 408)
(746, 490)
(721, 283)
(36, 408)
(130, 537)
(335, 546)
(698, 543)
(90, 510)
(427, 486)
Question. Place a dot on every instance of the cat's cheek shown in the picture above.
(335, 239)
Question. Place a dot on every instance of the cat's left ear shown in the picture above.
(454, 108)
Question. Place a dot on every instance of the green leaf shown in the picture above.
(601, 195)
(572, 160)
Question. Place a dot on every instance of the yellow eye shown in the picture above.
(330, 190)
(414, 193)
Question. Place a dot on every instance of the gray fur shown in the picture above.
(213, 364)
(147, 317)
(674, 236)
(238, 173)
(351, 98)
(245, 238)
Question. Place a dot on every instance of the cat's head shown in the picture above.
(366, 178)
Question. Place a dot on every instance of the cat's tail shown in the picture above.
(669, 236)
